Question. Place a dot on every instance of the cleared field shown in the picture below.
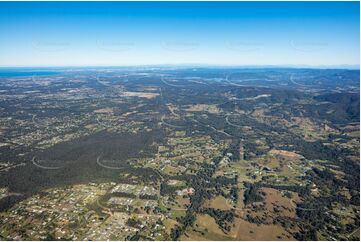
(285, 154)
(205, 228)
(202, 108)
(218, 202)
(169, 224)
(275, 201)
(148, 95)
(104, 110)
(183, 201)
(250, 231)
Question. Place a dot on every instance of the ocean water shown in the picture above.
(15, 72)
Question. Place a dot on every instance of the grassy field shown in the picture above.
(275, 200)
(250, 231)
(169, 224)
(218, 202)
(205, 228)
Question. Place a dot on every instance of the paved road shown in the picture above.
(232, 124)
(45, 167)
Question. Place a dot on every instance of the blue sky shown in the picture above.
(147, 33)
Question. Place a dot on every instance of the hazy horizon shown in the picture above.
(40, 34)
(190, 65)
